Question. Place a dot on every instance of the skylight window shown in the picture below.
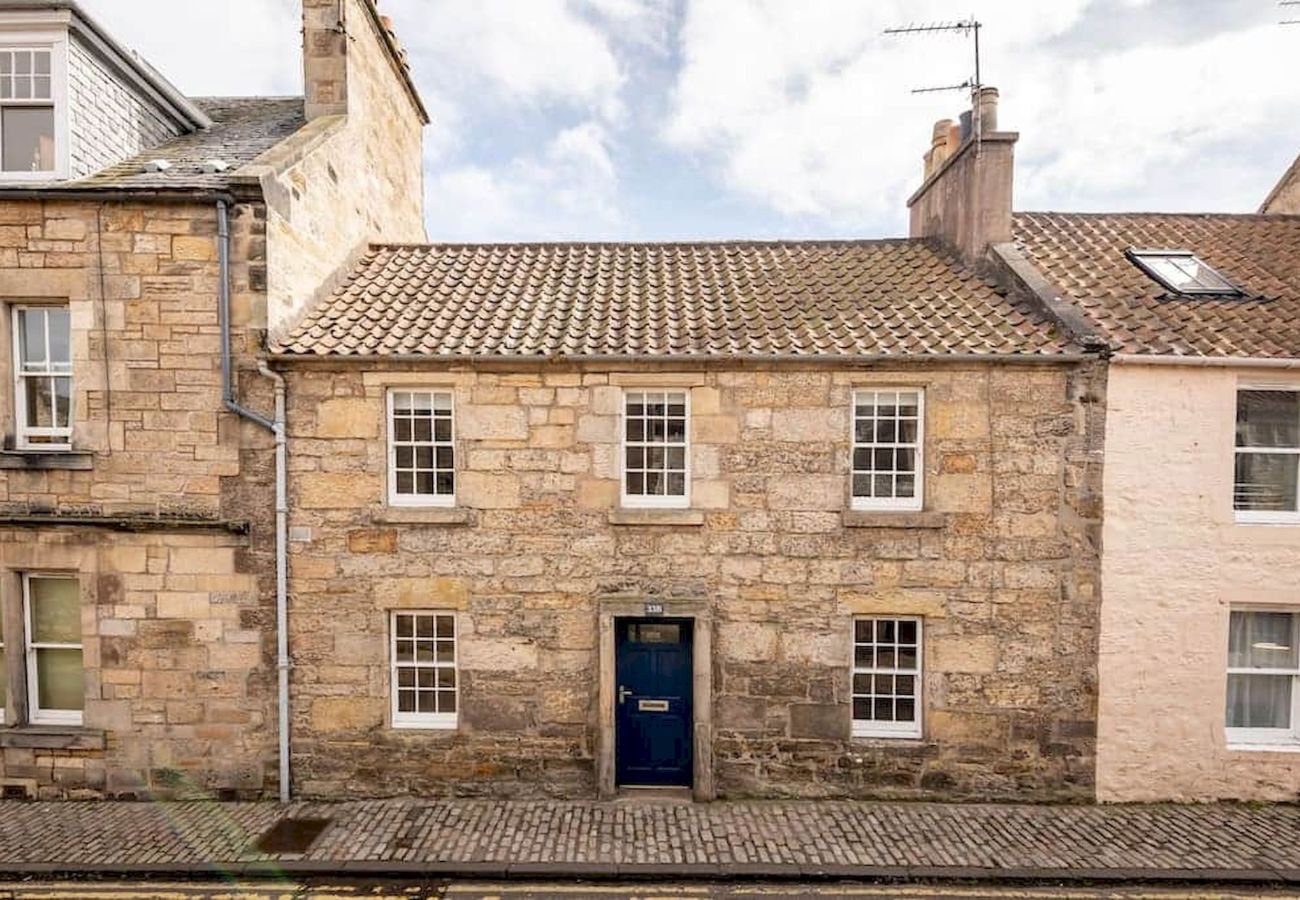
(1183, 272)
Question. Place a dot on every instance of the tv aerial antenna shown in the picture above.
(966, 28)
(1290, 3)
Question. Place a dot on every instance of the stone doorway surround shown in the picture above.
(621, 606)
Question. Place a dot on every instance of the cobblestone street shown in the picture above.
(469, 890)
(667, 840)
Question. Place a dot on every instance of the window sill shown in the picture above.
(52, 737)
(692, 517)
(421, 515)
(1283, 519)
(1265, 748)
(891, 739)
(46, 460)
(431, 728)
(878, 518)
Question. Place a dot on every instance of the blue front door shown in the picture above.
(652, 701)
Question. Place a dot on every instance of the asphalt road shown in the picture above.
(466, 890)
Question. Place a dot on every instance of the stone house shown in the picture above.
(141, 231)
(749, 518)
(293, 499)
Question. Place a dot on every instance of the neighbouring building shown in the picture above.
(1285, 196)
(137, 570)
(755, 519)
(1200, 617)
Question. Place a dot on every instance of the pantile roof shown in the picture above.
(1082, 255)
(243, 128)
(812, 299)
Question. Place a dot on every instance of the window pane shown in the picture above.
(1268, 418)
(62, 402)
(1259, 701)
(31, 334)
(40, 402)
(1265, 481)
(1262, 640)
(28, 137)
(56, 610)
(59, 321)
(58, 679)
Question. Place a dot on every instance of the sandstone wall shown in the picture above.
(1175, 562)
(1002, 565)
(361, 178)
(178, 618)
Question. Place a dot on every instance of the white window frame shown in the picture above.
(35, 714)
(641, 501)
(1263, 738)
(869, 728)
(421, 500)
(23, 433)
(1262, 516)
(419, 720)
(899, 504)
(56, 42)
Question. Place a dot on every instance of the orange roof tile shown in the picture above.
(1082, 255)
(815, 299)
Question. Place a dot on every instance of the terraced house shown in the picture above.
(765, 519)
(147, 242)
(296, 503)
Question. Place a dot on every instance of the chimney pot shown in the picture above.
(988, 106)
(937, 153)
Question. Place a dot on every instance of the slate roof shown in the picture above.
(1082, 255)
(243, 128)
(813, 299)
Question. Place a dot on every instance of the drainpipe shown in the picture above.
(277, 427)
(281, 573)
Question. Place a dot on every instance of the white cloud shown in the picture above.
(540, 52)
(230, 48)
(567, 191)
(806, 109)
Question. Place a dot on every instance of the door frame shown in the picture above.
(623, 606)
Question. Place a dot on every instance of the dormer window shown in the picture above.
(1183, 272)
(27, 111)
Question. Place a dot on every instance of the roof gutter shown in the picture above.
(119, 195)
(856, 359)
(1205, 362)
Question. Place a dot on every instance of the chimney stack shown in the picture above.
(965, 194)
(325, 57)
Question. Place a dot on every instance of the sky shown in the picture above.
(707, 119)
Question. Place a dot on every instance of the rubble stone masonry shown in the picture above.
(1002, 564)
